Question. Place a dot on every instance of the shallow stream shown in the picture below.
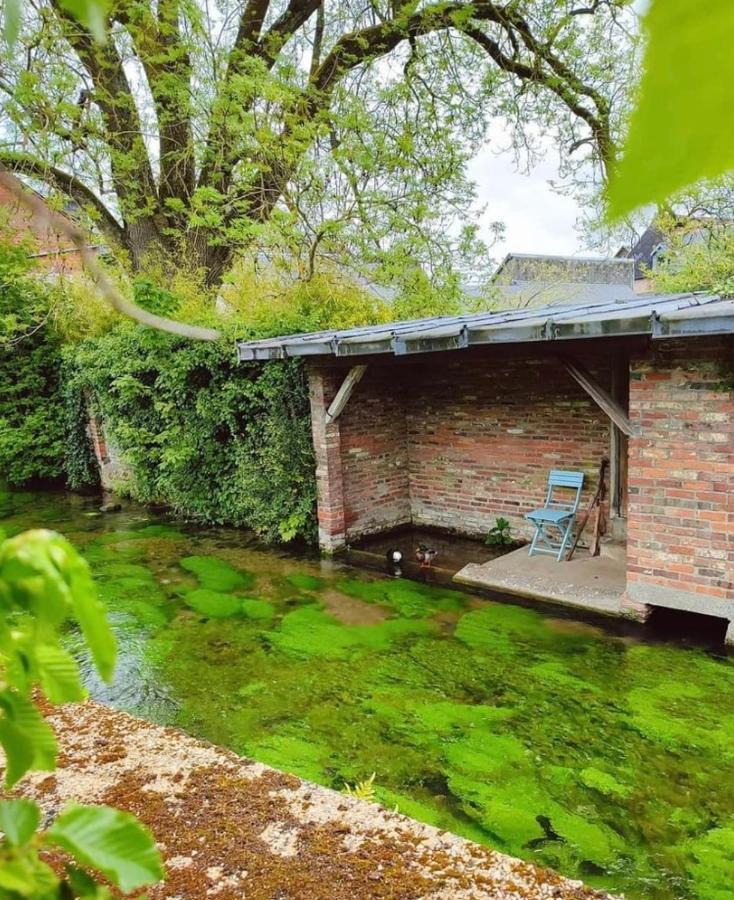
(605, 757)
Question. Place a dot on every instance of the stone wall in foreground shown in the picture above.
(680, 550)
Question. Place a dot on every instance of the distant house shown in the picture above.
(653, 248)
(53, 251)
(528, 279)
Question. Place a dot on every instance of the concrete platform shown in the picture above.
(596, 583)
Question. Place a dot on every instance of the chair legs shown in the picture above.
(552, 538)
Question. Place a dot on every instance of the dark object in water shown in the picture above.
(110, 507)
(425, 555)
(550, 834)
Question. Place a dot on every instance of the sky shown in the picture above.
(536, 219)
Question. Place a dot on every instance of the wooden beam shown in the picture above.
(600, 396)
(336, 406)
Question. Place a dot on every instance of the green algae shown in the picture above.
(407, 598)
(305, 582)
(253, 608)
(212, 603)
(216, 574)
(607, 759)
(311, 632)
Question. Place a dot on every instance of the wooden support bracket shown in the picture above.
(341, 399)
(600, 396)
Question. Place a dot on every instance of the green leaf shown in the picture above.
(18, 751)
(17, 876)
(112, 842)
(682, 129)
(92, 618)
(26, 736)
(11, 20)
(19, 820)
(59, 675)
(90, 13)
(84, 886)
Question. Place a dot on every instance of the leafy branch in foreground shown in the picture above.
(44, 583)
(682, 129)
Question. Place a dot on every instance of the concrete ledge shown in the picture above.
(686, 601)
(231, 828)
(592, 583)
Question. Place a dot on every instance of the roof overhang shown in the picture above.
(656, 316)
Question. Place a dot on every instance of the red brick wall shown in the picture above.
(452, 446)
(681, 472)
(54, 251)
(374, 454)
(484, 436)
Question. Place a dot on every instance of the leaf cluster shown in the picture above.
(44, 584)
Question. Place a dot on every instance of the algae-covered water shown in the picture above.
(607, 758)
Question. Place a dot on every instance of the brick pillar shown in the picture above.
(327, 446)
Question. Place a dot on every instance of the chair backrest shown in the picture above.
(562, 483)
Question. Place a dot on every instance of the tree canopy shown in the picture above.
(302, 128)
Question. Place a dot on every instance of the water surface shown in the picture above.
(607, 758)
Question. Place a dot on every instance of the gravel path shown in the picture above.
(232, 828)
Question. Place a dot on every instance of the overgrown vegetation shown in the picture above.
(217, 440)
(31, 416)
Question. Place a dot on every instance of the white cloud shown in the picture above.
(536, 219)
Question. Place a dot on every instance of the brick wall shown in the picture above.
(484, 436)
(361, 459)
(681, 475)
(53, 251)
(374, 454)
(452, 446)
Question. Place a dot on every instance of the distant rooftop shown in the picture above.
(653, 315)
(531, 279)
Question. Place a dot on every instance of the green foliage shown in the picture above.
(699, 257)
(31, 410)
(363, 790)
(44, 583)
(110, 841)
(216, 440)
(499, 535)
(682, 130)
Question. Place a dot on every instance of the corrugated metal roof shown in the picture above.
(659, 316)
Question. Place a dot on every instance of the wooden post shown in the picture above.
(344, 393)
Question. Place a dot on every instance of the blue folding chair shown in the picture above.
(554, 521)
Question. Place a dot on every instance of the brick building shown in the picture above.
(53, 252)
(451, 422)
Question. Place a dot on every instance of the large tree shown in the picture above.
(204, 126)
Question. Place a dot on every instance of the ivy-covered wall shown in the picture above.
(216, 440)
